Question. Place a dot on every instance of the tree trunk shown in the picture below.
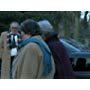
(76, 30)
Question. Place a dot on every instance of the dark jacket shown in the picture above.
(62, 63)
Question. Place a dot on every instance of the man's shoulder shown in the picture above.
(31, 45)
(5, 32)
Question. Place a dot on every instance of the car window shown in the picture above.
(81, 64)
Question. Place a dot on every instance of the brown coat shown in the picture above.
(29, 63)
(5, 56)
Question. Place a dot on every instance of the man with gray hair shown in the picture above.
(62, 63)
(14, 38)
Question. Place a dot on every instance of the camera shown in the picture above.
(13, 40)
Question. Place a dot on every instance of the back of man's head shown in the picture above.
(30, 26)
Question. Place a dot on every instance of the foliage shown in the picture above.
(68, 21)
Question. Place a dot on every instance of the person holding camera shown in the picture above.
(14, 38)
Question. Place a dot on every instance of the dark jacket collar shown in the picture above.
(51, 36)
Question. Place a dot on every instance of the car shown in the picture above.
(68, 44)
(73, 46)
(79, 56)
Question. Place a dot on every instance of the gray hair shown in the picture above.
(45, 26)
(15, 24)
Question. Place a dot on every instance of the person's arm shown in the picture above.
(1, 44)
(0, 48)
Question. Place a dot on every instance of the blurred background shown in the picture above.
(68, 24)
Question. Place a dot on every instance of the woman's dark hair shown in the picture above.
(30, 26)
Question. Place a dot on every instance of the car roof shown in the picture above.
(69, 46)
(80, 55)
(75, 43)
